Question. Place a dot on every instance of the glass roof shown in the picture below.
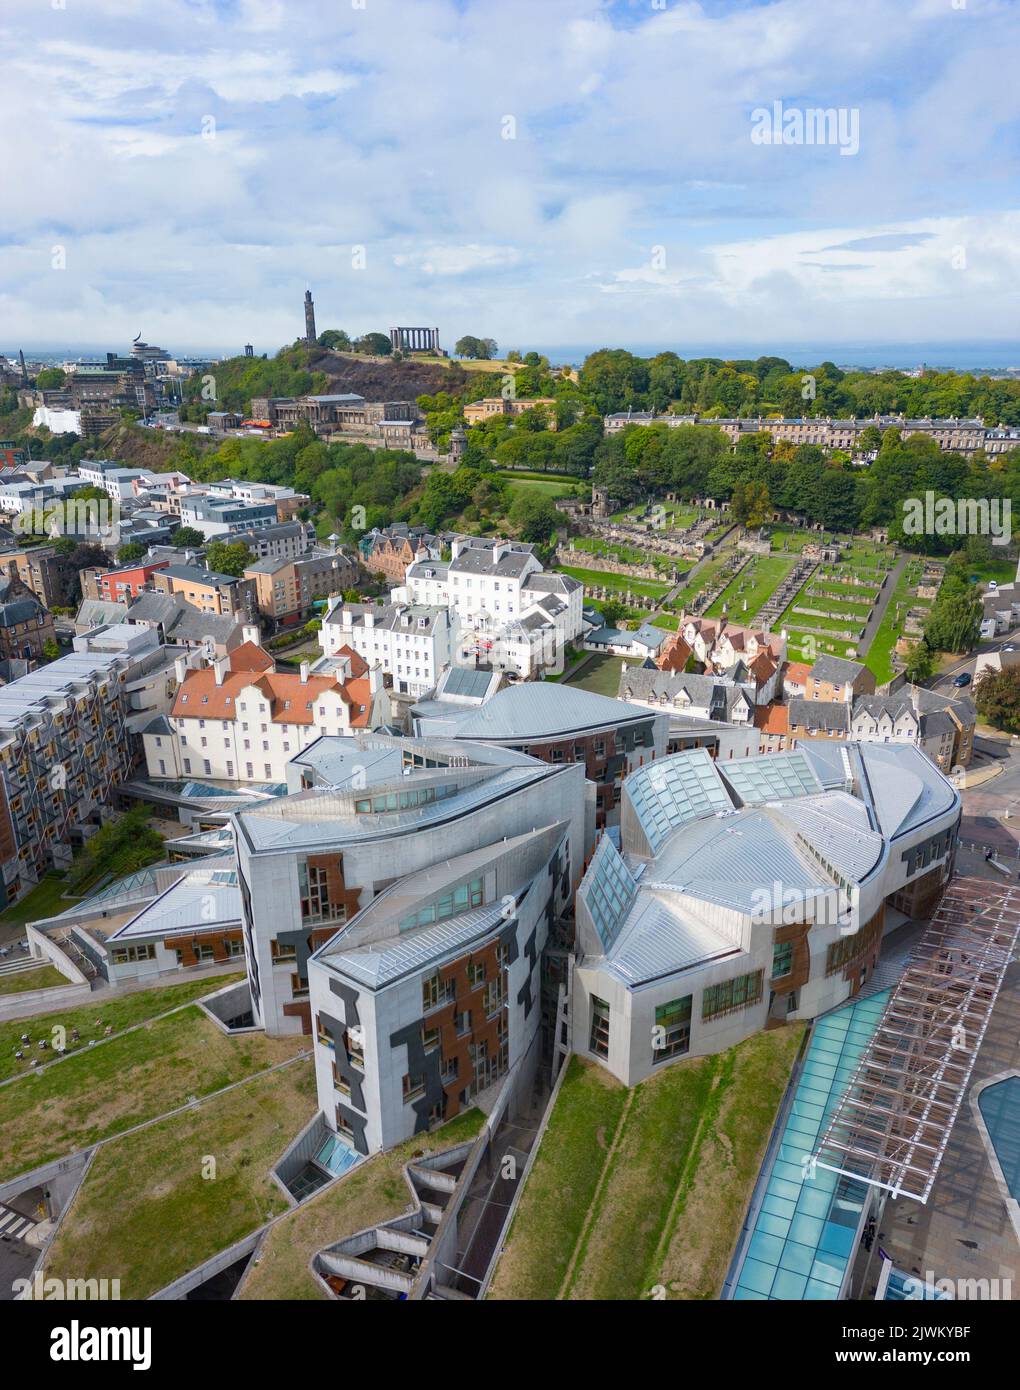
(608, 891)
(671, 791)
(771, 779)
(805, 1230)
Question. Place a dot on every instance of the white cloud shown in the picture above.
(384, 127)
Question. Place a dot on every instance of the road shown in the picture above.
(943, 681)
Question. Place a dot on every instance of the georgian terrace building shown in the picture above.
(750, 890)
(952, 435)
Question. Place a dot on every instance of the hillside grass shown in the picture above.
(641, 1193)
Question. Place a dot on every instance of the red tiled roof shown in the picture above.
(772, 719)
(291, 700)
(249, 657)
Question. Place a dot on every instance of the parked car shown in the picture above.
(962, 679)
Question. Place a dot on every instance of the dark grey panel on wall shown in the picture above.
(426, 1064)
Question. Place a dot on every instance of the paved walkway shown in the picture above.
(878, 612)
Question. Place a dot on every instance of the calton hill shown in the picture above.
(513, 468)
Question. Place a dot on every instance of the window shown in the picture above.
(354, 1046)
(475, 973)
(737, 993)
(282, 951)
(430, 1038)
(782, 960)
(672, 1034)
(435, 992)
(313, 892)
(494, 996)
(121, 955)
(413, 1086)
(598, 1040)
(462, 1023)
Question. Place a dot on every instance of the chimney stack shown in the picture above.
(304, 673)
(220, 667)
(250, 633)
(180, 669)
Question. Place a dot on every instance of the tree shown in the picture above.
(186, 536)
(480, 349)
(377, 344)
(90, 493)
(228, 557)
(920, 663)
(954, 623)
(334, 338)
(997, 694)
(131, 551)
(751, 504)
(534, 516)
(613, 612)
(50, 379)
(50, 649)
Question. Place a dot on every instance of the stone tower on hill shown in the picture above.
(309, 319)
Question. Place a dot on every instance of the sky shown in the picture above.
(535, 171)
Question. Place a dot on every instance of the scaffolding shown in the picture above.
(892, 1125)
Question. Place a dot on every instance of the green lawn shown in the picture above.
(629, 554)
(22, 981)
(559, 487)
(831, 646)
(152, 1207)
(601, 675)
(706, 575)
(44, 900)
(135, 1076)
(879, 656)
(373, 1192)
(561, 1186)
(752, 586)
(650, 588)
(850, 593)
(636, 1190)
(998, 567)
(91, 1020)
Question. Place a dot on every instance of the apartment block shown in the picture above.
(397, 909)
(65, 744)
(241, 720)
(410, 643)
(287, 588)
(206, 590)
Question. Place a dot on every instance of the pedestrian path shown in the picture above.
(13, 1224)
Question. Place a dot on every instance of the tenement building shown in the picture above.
(750, 890)
(397, 909)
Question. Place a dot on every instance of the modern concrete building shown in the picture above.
(65, 745)
(397, 909)
(559, 724)
(750, 890)
(221, 517)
